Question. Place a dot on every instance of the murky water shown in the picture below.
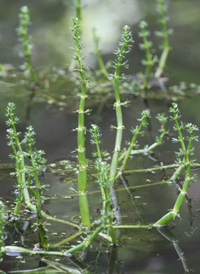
(139, 250)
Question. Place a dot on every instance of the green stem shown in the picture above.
(162, 62)
(69, 239)
(44, 215)
(81, 130)
(165, 34)
(72, 250)
(23, 32)
(97, 53)
(78, 10)
(41, 229)
(120, 126)
(174, 212)
(21, 166)
(148, 61)
(128, 152)
(132, 226)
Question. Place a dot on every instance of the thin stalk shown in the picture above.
(41, 229)
(103, 182)
(149, 61)
(81, 130)
(145, 150)
(19, 156)
(72, 250)
(170, 237)
(26, 40)
(78, 10)
(120, 127)
(151, 169)
(132, 226)
(162, 9)
(69, 239)
(118, 139)
(44, 215)
(136, 132)
(162, 62)
(174, 212)
(185, 151)
(96, 52)
(125, 47)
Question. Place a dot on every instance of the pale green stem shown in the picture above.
(22, 177)
(166, 47)
(97, 53)
(81, 130)
(174, 212)
(150, 63)
(128, 152)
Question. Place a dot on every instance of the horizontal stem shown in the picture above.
(44, 215)
(132, 226)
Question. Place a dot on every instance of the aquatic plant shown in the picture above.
(125, 46)
(103, 168)
(26, 175)
(133, 144)
(29, 189)
(104, 223)
(78, 6)
(150, 59)
(164, 34)
(81, 130)
(18, 155)
(26, 40)
(185, 151)
(97, 52)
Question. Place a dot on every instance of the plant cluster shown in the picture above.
(150, 59)
(30, 163)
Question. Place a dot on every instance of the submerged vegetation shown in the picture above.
(30, 164)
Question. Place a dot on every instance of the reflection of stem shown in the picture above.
(170, 237)
(113, 261)
(28, 105)
(132, 198)
(116, 205)
(181, 255)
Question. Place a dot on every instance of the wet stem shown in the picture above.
(165, 35)
(82, 174)
(186, 163)
(20, 167)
